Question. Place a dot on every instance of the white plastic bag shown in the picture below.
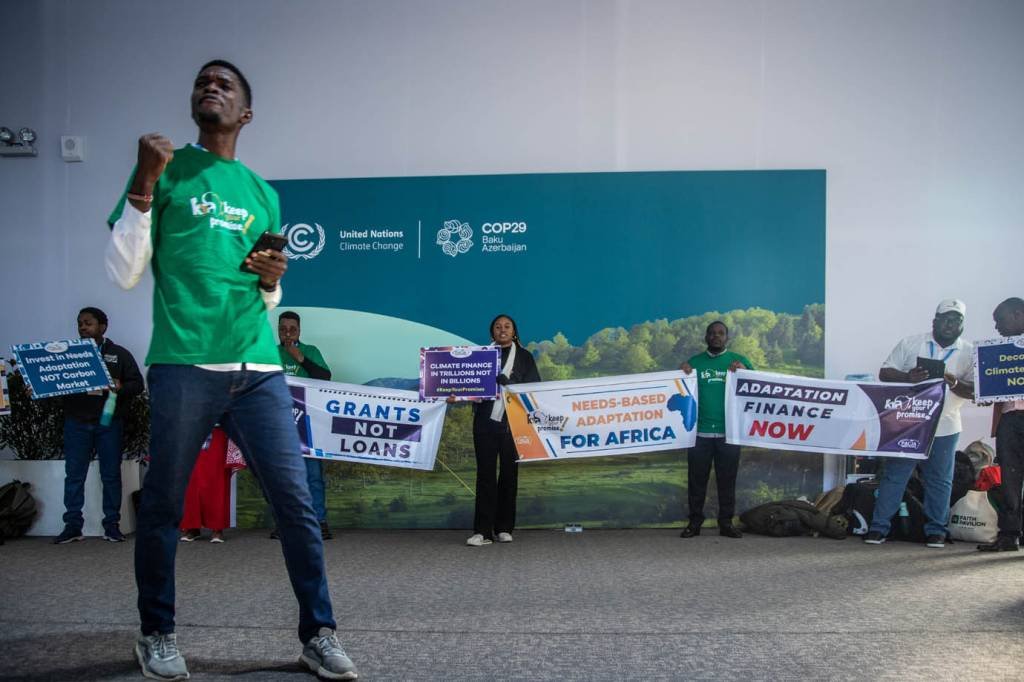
(973, 518)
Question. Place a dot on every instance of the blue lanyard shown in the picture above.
(931, 351)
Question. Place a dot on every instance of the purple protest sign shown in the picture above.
(908, 415)
(466, 372)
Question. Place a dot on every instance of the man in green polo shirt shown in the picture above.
(305, 360)
(196, 213)
(711, 448)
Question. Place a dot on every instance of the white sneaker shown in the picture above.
(477, 540)
(504, 537)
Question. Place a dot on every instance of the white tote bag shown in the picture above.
(973, 518)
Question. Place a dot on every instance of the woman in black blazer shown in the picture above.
(495, 513)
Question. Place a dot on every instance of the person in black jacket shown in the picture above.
(84, 434)
(495, 511)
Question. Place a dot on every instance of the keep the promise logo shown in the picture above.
(301, 242)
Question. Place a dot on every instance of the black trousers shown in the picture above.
(495, 488)
(1010, 457)
(699, 459)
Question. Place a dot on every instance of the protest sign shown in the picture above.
(999, 370)
(366, 424)
(62, 367)
(5, 399)
(465, 372)
(784, 412)
(617, 415)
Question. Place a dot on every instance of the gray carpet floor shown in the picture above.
(600, 605)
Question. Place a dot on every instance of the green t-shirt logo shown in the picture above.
(222, 214)
(711, 375)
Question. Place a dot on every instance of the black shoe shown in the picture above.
(1002, 544)
(325, 531)
(69, 535)
(935, 541)
(113, 534)
(691, 531)
(874, 538)
(274, 535)
(728, 530)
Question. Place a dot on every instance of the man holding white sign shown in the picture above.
(711, 447)
(1008, 428)
(942, 353)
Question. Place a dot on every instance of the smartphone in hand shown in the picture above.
(267, 240)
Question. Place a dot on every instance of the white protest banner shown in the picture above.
(366, 424)
(605, 416)
(784, 412)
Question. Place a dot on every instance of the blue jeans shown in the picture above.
(255, 409)
(937, 476)
(80, 440)
(315, 479)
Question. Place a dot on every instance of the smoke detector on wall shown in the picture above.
(72, 148)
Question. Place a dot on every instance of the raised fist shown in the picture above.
(155, 152)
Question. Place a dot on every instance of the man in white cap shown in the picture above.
(904, 365)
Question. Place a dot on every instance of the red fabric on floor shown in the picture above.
(989, 478)
(208, 497)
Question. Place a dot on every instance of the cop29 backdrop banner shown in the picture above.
(604, 273)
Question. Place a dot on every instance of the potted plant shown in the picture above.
(34, 432)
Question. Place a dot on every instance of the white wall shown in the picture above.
(913, 108)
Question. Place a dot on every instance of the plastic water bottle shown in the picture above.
(904, 519)
(108, 409)
(573, 528)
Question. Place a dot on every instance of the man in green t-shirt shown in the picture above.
(711, 448)
(304, 360)
(196, 213)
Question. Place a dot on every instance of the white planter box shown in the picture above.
(47, 479)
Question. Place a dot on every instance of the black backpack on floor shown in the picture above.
(858, 506)
(792, 517)
(17, 509)
(965, 475)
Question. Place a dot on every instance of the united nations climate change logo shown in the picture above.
(300, 240)
(455, 237)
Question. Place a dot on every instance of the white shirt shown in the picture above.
(959, 359)
(129, 251)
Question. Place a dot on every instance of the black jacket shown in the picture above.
(121, 365)
(524, 371)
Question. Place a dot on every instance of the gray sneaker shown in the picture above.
(159, 657)
(324, 656)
